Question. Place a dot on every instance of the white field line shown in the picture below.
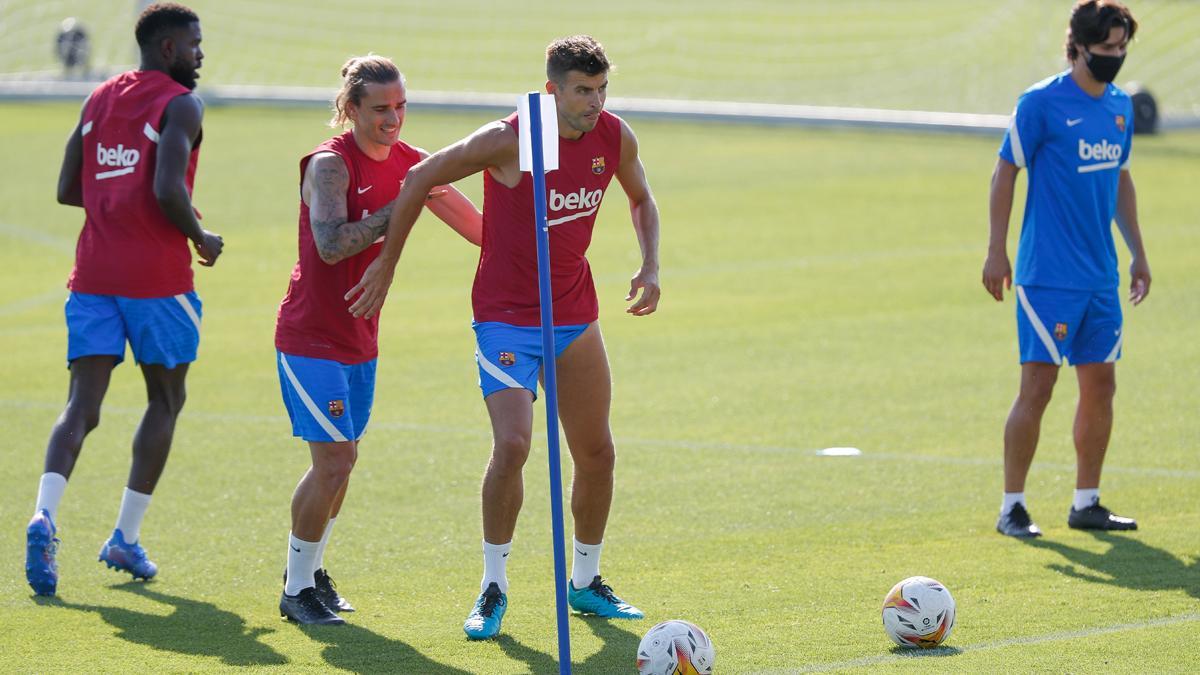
(477, 428)
(18, 306)
(947, 651)
(60, 244)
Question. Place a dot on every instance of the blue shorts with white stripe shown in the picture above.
(1056, 325)
(510, 357)
(161, 331)
(327, 401)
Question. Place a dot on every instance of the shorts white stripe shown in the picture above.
(573, 216)
(191, 311)
(1039, 327)
(1088, 168)
(1015, 138)
(150, 132)
(1112, 356)
(86, 129)
(103, 175)
(494, 370)
(308, 403)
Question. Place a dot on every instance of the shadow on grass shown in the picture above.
(358, 650)
(910, 653)
(195, 627)
(1128, 563)
(617, 655)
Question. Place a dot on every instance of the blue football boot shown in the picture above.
(127, 557)
(484, 620)
(597, 598)
(41, 569)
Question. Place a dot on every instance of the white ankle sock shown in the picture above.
(301, 555)
(319, 563)
(495, 565)
(1011, 499)
(586, 565)
(133, 510)
(50, 492)
(1085, 498)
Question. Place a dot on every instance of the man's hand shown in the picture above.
(372, 289)
(997, 275)
(647, 280)
(1139, 280)
(209, 248)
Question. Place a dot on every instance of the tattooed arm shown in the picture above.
(326, 180)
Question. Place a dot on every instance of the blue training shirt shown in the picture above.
(1074, 146)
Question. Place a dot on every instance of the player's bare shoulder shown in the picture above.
(498, 143)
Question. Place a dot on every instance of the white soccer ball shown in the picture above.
(918, 612)
(675, 647)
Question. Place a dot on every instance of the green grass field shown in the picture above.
(958, 55)
(820, 289)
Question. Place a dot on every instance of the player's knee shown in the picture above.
(510, 450)
(169, 401)
(333, 470)
(81, 414)
(598, 458)
(1100, 389)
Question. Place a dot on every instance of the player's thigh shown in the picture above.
(94, 327)
(163, 331)
(511, 413)
(90, 376)
(585, 391)
(508, 357)
(315, 393)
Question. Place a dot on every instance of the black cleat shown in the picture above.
(327, 591)
(1096, 517)
(1017, 523)
(306, 608)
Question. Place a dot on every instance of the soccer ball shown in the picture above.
(675, 647)
(918, 612)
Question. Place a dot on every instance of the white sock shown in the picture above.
(50, 492)
(319, 563)
(301, 555)
(495, 565)
(133, 510)
(1086, 497)
(1011, 499)
(586, 565)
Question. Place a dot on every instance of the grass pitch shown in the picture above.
(820, 289)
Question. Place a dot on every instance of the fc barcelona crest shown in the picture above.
(1060, 331)
(507, 358)
(1121, 123)
(598, 162)
(337, 408)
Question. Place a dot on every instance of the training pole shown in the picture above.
(550, 387)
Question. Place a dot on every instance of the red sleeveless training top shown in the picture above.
(127, 246)
(313, 318)
(506, 281)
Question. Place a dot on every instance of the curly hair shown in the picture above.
(159, 18)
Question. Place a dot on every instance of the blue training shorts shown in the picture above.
(162, 331)
(327, 401)
(1056, 325)
(510, 357)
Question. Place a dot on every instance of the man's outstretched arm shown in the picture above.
(492, 145)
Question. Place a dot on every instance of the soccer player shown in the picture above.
(594, 146)
(326, 357)
(1073, 131)
(130, 163)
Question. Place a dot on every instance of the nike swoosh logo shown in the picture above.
(1073, 122)
(362, 190)
(504, 555)
(295, 549)
(580, 552)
